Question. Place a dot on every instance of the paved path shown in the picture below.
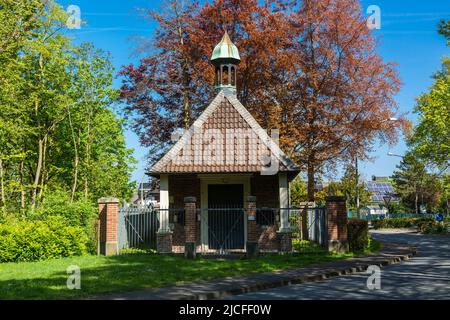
(426, 276)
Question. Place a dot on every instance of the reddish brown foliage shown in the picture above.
(310, 69)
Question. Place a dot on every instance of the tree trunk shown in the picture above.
(357, 187)
(75, 177)
(88, 158)
(311, 181)
(186, 102)
(76, 160)
(37, 176)
(304, 226)
(416, 202)
(22, 190)
(185, 71)
(43, 170)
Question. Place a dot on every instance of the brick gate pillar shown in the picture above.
(252, 228)
(337, 224)
(108, 212)
(190, 227)
(164, 234)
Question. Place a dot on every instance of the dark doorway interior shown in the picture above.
(226, 216)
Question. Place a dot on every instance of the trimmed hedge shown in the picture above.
(357, 234)
(398, 222)
(394, 223)
(41, 240)
(424, 225)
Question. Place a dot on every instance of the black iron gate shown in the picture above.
(222, 230)
(137, 227)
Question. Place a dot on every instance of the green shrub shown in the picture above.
(396, 223)
(81, 213)
(431, 226)
(357, 234)
(305, 246)
(136, 251)
(424, 225)
(41, 240)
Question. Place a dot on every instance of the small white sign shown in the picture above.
(74, 277)
(251, 218)
(374, 280)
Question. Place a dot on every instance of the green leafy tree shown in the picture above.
(415, 185)
(444, 29)
(348, 189)
(58, 132)
(345, 187)
(431, 137)
(299, 192)
(332, 189)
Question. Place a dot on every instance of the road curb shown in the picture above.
(390, 253)
(304, 279)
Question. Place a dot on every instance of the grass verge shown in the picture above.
(100, 275)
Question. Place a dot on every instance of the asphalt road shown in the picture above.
(426, 276)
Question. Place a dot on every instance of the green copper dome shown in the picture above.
(225, 49)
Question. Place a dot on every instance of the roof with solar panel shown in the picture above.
(381, 189)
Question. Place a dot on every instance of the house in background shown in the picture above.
(224, 158)
(146, 194)
(374, 210)
(382, 194)
(382, 190)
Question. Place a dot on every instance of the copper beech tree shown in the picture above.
(308, 68)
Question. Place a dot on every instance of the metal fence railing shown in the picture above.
(221, 228)
(396, 216)
(138, 225)
(314, 228)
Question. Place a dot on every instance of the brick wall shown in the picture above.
(285, 242)
(108, 210)
(190, 214)
(268, 238)
(337, 224)
(164, 242)
(181, 186)
(337, 218)
(266, 191)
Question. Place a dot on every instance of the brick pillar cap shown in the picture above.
(190, 200)
(251, 199)
(335, 199)
(108, 200)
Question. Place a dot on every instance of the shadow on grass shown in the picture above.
(100, 275)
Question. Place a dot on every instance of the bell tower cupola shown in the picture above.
(225, 58)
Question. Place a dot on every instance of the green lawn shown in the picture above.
(99, 274)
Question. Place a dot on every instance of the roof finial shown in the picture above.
(225, 58)
(225, 49)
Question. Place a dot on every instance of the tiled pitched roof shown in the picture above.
(238, 144)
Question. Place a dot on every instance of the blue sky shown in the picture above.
(408, 37)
